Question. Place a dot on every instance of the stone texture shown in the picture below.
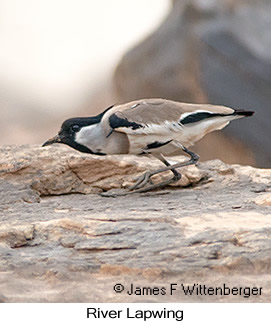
(59, 245)
(265, 199)
(30, 172)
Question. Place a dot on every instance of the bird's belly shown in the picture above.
(194, 133)
(148, 143)
(186, 136)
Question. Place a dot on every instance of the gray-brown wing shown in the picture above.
(159, 115)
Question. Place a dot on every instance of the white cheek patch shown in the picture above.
(86, 135)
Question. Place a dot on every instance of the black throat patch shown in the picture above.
(83, 149)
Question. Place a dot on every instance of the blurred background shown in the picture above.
(67, 58)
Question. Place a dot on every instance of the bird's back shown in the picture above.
(157, 124)
(157, 111)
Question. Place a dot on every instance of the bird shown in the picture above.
(153, 127)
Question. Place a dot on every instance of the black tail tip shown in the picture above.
(244, 113)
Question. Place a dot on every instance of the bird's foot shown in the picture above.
(142, 181)
(114, 193)
(143, 188)
(146, 178)
(146, 188)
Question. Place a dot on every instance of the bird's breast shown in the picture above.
(117, 143)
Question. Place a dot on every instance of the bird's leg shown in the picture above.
(139, 185)
(146, 176)
(176, 174)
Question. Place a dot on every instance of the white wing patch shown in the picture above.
(162, 129)
(186, 136)
(175, 131)
(165, 128)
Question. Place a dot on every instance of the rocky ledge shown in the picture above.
(60, 241)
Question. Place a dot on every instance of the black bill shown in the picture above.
(53, 140)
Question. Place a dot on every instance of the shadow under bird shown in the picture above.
(151, 126)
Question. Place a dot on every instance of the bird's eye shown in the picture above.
(75, 128)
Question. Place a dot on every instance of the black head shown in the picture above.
(68, 130)
(70, 127)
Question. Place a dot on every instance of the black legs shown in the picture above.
(141, 185)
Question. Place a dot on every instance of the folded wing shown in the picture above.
(158, 116)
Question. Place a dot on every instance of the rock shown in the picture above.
(72, 247)
(16, 236)
(264, 199)
(235, 70)
(215, 52)
(32, 171)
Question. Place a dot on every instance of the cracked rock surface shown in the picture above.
(60, 241)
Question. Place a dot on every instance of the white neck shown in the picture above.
(91, 137)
